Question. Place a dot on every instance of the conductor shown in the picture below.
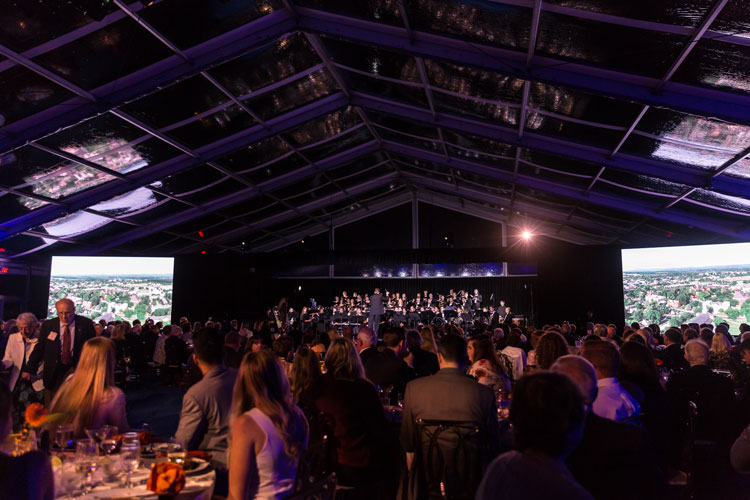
(376, 310)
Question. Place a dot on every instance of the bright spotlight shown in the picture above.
(526, 235)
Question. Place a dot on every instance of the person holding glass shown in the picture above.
(89, 399)
(27, 477)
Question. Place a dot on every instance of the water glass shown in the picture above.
(64, 436)
(87, 460)
(130, 456)
(175, 452)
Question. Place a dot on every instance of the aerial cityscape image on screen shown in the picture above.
(114, 288)
(696, 284)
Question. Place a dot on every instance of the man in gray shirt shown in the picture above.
(206, 407)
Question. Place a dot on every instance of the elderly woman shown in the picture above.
(19, 348)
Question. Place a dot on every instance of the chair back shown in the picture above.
(322, 489)
(311, 467)
(450, 459)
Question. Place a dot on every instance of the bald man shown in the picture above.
(60, 342)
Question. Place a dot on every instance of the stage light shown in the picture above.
(200, 233)
(2, 250)
(526, 235)
(299, 288)
(3, 270)
(203, 252)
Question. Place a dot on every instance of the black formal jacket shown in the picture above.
(48, 351)
(388, 369)
(376, 304)
(673, 357)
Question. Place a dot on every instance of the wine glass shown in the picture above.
(64, 436)
(130, 456)
(107, 434)
(87, 460)
(175, 452)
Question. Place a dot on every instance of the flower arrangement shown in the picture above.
(166, 478)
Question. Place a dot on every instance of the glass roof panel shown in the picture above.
(322, 128)
(409, 140)
(292, 95)
(695, 131)
(105, 55)
(189, 22)
(576, 132)
(490, 23)
(487, 146)
(717, 64)
(353, 168)
(217, 191)
(254, 209)
(158, 212)
(12, 206)
(471, 81)
(403, 125)
(363, 176)
(259, 175)
(610, 46)
(721, 201)
(188, 181)
(642, 182)
(582, 105)
(502, 114)
(178, 102)
(675, 152)
(343, 143)
(25, 93)
(629, 194)
(102, 233)
(267, 64)
(382, 11)
(679, 12)
(550, 161)
(373, 60)
(206, 224)
(24, 25)
(404, 93)
(217, 126)
(740, 169)
(721, 216)
(137, 201)
(257, 154)
(554, 176)
(21, 243)
(100, 134)
(295, 223)
(734, 18)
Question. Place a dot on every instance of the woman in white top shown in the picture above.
(268, 431)
(89, 398)
(19, 348)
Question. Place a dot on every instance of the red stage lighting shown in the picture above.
(200, 233)
(3, 270)
(203, 252)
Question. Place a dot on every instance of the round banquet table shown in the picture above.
(199, 485)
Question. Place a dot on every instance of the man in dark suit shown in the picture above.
(449, 394)
(59, 346)
(390, 368)
(672, 357)
(367, 343)
(376, 310)
(424, 363)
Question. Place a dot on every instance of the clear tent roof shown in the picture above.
(177, 126)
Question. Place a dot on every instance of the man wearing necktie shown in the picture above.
(59, 347)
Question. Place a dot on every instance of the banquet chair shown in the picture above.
(322, 489)
(311, 466)
(449, 461)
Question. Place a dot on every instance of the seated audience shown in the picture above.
(428, 335)
(362, 454)
(367, 342)
(175, 349)
(392, 366)
(89, 398)
(609, 460)
(516, 355)
(547, 416)
(612, 401)
(425, 362)
(29, 476)
(17, 353)
(206, 406)
(269, 431)
(672, 356)
(232, 353)
(305, 374)
(485, 367)
(551, 346)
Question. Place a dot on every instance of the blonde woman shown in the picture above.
(268, 431)
(718, 358)
(89, 398)
(428, 336)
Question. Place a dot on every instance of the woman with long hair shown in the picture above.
(485, 366)
(428, 336)
(718, 357)
(89, 398)
(305, 373)
(269, 431)
(363, 455)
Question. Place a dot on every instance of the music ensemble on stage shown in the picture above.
(379, 310)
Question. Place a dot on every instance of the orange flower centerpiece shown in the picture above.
(166, 479)
(36, 415)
